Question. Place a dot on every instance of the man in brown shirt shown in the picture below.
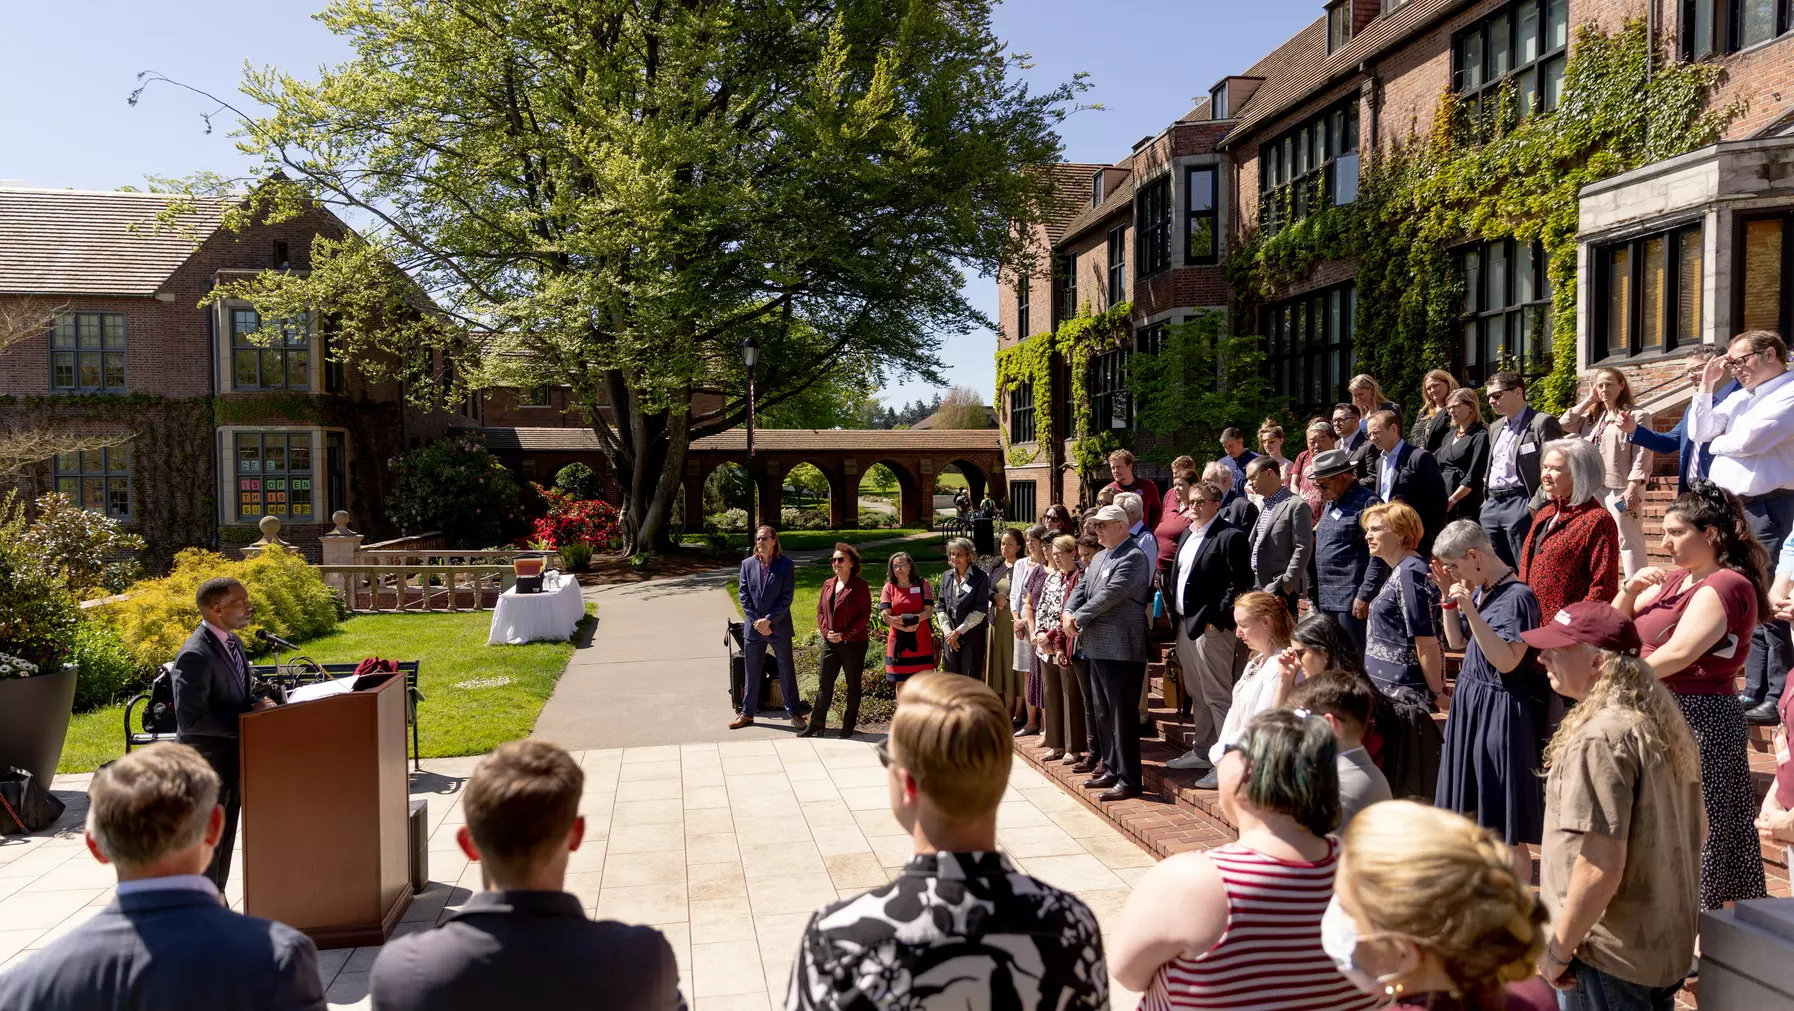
(1624, 822)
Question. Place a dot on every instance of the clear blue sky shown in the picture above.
(70, 68)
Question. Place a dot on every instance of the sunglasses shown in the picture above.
(883, 751)
(837, 560)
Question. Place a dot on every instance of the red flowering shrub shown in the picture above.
(574, 521)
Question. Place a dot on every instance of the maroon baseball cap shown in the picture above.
(1590, 622)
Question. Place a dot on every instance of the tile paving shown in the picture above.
(726, 847)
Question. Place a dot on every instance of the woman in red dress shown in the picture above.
(1572, 551)
(906, 605)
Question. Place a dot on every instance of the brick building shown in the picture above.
(1676, 253)
(222, 431)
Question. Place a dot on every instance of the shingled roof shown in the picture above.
(1071, 194)
(85, 242)
(766, 440)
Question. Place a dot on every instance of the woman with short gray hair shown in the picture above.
(964, 595)
(1572, 551)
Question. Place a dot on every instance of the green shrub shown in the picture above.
(576, 556)
(108, 670)
(288, 596)
(91, 550)
(730, 521)
(456, 486)
(37, 611)
(580, 481)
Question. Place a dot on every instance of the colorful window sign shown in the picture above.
(273, 474)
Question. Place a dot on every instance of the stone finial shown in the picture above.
(270, 527)
(341, 519)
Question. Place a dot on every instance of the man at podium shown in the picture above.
(211, 689)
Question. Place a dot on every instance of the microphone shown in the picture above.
(274, 640)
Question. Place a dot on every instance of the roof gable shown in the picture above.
(85, 242)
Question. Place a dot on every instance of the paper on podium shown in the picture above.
(322, 690)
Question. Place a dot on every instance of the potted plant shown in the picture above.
(34, 715)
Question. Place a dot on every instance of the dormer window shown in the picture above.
(1096, 188)
(282, 259)
(1339, 25)
(1217, 102)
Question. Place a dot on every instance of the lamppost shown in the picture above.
(750, 356)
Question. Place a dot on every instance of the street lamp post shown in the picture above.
(750, 356)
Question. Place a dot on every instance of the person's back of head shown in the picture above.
(950, 743)
(1438, 887)
(522, 806)
(1343, 698)
(1289, 769)
(150, 813)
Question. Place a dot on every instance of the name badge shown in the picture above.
(1529, 448)
(915, 590)
(1338, 514)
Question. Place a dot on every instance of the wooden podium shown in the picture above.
(325, 827)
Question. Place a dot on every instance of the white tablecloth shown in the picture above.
(526, 617)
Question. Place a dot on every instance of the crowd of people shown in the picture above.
(1311, 607)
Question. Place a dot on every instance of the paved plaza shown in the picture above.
(726, 847)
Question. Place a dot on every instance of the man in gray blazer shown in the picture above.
(1282, 540)
(167, 941)
(529, 943)
(1107, 612)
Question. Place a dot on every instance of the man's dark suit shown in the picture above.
(1418, 483)
(1109, 605)
(169, 950)
(765, 591)
(534, 950)
(210, 691)
(1676, 440)
(1203, 613)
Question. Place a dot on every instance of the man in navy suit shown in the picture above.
(768, 580)
(1406, 473)
(167, 942)
(211, 689)
(1694, 457)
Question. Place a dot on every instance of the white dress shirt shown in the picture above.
(1751, 436)
(1186, 559)
(1386, 474)
(170, 882)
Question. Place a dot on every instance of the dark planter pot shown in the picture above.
(34, 721)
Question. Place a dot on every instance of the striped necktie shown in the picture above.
(236, 659)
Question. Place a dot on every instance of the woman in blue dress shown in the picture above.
(1401, 648)
(1496, 731)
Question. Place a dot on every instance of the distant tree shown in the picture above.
(1201, 382)
(962, 408)
(839, 400)
(806, 480)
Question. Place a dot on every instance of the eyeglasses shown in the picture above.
(763, 537)
(1494, 393)
(1736, 362)
(883, 751)
(1299, 651)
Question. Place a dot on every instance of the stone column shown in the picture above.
(340, 547)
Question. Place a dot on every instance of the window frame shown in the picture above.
(1323, 353)
(105, 474)
(1022, 427)
(1212, 214)
(1021, 307)
(1105, 383)
(1473, 312)
(1339, 25)
(1066, 275)
(537, 396)
(68, 322)
(1217, 102)
(1152, 234)
(1117, 253)
(1675, 238)
(1474, 99)
(286, 438)
(1096, 188)
(1287, 181)
(1725, 30)
(1740, 232)
(287, 351)
(1015, 495)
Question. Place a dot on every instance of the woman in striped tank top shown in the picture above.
(1239, 927)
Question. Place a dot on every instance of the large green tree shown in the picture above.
(614, 194)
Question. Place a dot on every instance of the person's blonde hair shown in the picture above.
(1427, 409)
(1366, 381)
(1624, 402)
(1628, 683)
(1270, 609)
(1066, 542)
(953, 735)
(1401, 518)
(1466, 395)
(1447, 885)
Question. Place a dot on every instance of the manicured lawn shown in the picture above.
(476, 697)
(813, 540)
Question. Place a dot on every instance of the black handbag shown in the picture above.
(25, 806)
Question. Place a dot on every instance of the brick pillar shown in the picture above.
(771, 495)
(909, 508)
(850, 494)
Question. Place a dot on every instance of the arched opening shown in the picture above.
(726, 498)
(804, 498)
(881, 494)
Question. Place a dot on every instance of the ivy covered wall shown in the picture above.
(1625, 104)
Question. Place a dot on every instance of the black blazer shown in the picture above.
(1464, 463)
(1221, 572)
(976, 597)
(209, 691)
(1538, 428)
(1418, 483)
(534, 950)
(1241, 513)
(169, 950)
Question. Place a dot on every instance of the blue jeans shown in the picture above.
(1597, 991)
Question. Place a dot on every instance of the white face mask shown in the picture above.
(1339, 939)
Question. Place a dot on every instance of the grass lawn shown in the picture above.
(476, 697)
(813, 540)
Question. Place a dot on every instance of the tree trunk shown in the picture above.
(647, 456)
